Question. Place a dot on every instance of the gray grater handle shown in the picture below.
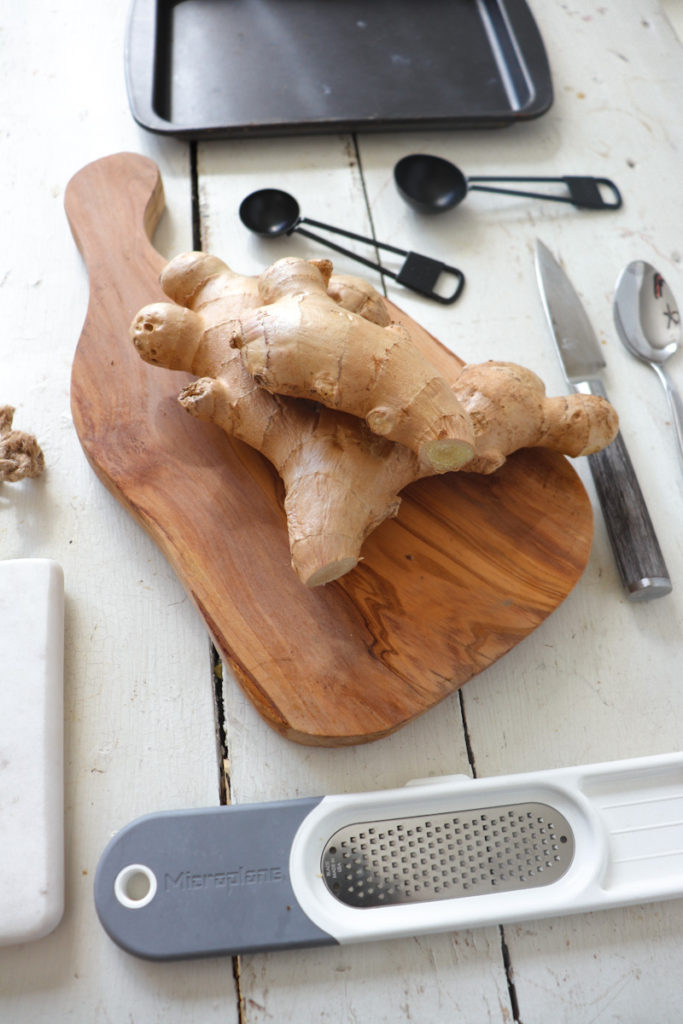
(205, 883)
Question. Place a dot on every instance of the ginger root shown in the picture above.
(303, 343)
(509, 409)
(20, 454)
(341, 479)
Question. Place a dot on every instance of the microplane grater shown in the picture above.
(446, 856)
(437, 855)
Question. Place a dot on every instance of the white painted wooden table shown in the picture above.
(600, 680)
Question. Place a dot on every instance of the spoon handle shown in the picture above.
(419, 273)
(634, 542)
(585, 193)
(675, 406)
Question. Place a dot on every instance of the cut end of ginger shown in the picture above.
(446, 455)
(332, 571)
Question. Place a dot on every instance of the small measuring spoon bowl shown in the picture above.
(432, 184)
(270, 212)
(648, 322)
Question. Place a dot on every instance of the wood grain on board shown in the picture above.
(470, 566)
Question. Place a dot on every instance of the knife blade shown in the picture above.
(636, 549)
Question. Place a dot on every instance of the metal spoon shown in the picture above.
(270, 212)
(649, 324)
(431, 184)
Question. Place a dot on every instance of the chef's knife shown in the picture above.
(631, 533)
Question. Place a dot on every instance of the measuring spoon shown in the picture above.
(432, 184)
(649, 324)
(271, 212)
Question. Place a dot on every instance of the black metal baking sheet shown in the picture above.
(247, 68)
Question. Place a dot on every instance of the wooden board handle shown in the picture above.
(119, 230)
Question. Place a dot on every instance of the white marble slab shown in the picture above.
(31, 748)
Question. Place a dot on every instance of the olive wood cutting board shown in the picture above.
(471, 565)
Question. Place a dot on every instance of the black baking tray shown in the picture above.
(248, 68)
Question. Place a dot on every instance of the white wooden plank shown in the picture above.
(617, 967)
(569, 693)
(463, 974)
(444, 977)
(600, 679)
(621, 696)
(635, 648)
(320, 172)
(447, 978)
(139, 728)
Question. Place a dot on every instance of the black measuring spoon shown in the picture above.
(271, 213)
(432, 184)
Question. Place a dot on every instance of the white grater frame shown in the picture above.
(589, 797)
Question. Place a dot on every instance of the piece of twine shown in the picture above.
(20, 454)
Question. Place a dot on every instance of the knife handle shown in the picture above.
(632, 536)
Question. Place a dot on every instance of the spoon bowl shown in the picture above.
(646, 314)
(270, 212)
(648, 322)
(430, 184)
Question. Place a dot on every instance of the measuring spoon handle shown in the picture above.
(420, 274)
(585, 193)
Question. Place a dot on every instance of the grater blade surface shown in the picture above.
(423, 858)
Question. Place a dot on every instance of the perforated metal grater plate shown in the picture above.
(445, 856)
